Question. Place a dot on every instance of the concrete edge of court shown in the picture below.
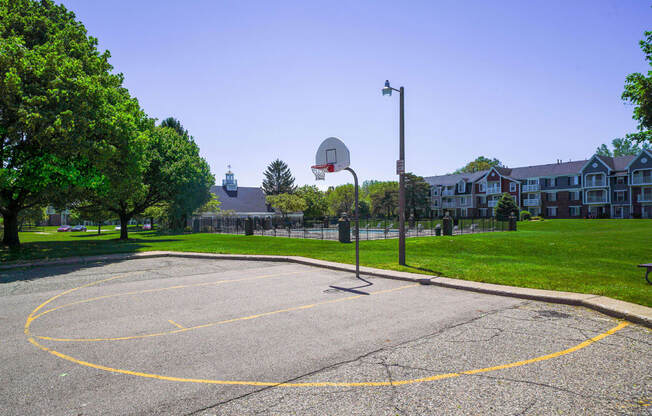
(616, 308)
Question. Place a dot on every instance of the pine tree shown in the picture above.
(278, 179)
(505, 207)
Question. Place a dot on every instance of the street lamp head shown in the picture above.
(387, 90)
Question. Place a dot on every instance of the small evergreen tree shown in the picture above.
(278, 179)
(505, 207)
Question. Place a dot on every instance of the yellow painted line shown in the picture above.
(329, 383)
(31, 316)
(139, 292)
(227, 321)
(175, 324)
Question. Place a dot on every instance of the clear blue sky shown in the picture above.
(527, 82)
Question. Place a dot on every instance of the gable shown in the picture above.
(595, 165)
(642, 161)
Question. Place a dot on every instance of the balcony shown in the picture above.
(531, 202)
(596, 199)
(642, 180)
(492, 204)
(466, 203)
(531, 188)
(448, 205)
(645, 197)
(493, 190)
(448, 192)
(595, 183)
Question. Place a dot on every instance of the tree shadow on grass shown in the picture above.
(52, 250)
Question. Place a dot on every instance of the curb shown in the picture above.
(616, 308)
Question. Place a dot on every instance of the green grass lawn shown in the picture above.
(586, 256)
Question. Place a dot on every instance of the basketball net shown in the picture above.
(320, 171)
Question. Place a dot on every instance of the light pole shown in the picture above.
(400, 170)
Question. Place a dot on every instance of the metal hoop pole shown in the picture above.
(357, 224)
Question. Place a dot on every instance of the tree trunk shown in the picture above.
(10, 236)
(124, 221)
(151, 222)
(99, 227)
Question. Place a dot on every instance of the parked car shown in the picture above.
(64, 228)
(147, 227)
(78, 228)
(117, 228)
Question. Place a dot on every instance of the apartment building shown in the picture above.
(615, 187)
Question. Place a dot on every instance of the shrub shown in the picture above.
(537, 218)
(525, 215)
(505, 207)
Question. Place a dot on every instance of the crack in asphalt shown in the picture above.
(358, 358)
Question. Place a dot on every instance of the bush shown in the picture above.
(525, 215)
(537, 218)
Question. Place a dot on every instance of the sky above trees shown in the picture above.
(524, 82)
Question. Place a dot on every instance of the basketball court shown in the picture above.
(191, 336)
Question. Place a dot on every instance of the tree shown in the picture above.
(196, 190)
(286, 203)
(417, 195)
(622, 147)
(505, 207)
(175, 125)
(480, 163)
(212, 205)
(383, 197)
(94, 213)
(54, 107)
(316, 204)
(33, 215)
(340, 199)
(638, 92)
(156, 166)
(278, 179)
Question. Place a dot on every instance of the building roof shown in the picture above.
(244, 199)
(619, 163)
(452, 179)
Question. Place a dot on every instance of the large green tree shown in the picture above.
(341, 199)
(54, 107)
(155, 167)
(316, 204)
(278, 179)
(638, 92)
(286, 203)
(383, 197)
(417, 195)
(480, 163)
(195, 191)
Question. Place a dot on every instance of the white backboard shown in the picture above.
(333, 151)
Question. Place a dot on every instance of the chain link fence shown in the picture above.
(327, 229)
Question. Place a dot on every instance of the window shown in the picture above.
(575, 196)
(575, 180)
(461, 188)
(553, 181)
(483, 187)
(436, 202)
(512, 187)
(552, 196)
(574, 211)
(620, 196)
(463, 201)
(551, 211)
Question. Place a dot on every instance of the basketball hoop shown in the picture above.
(320, 171)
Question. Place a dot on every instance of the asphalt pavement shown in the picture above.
(202, 336)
